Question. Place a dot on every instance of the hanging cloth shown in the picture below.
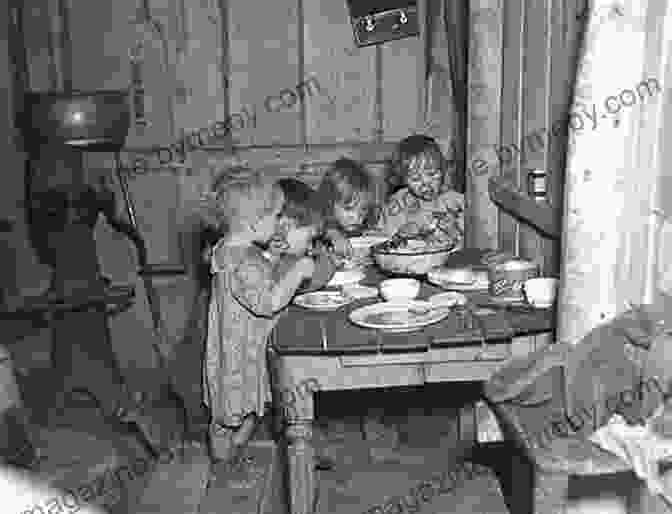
(613, 175)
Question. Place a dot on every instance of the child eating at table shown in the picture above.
(426, 207)
(301, 228)
(348, 199)
(348, 196)
(247, 293)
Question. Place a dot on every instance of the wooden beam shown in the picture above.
(541, 216)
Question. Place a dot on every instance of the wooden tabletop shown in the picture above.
(303, 331)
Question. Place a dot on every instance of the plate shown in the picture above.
(346, 277)
(508, 299)
(366, 242)
(449, 299)
(457, 286)
(442, 277)
(322, 300)
(360, 292)
(398, 316)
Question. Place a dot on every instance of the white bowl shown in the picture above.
(541, 292)
(346, 278)
(399, 289)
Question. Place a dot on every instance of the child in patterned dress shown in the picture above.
(426, 206)
(247, 293)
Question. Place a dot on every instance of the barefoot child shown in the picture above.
(246, 295)
(426, 206)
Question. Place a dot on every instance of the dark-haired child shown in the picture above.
(301, 229)
(426, 206)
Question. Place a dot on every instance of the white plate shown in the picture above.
(538, 305)
(364, 242)
(442, 277)
(346, 277)
(449, 299)
(322, 300)
(360, 292)
(398, 316)
(454, 286)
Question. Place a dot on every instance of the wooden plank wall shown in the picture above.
(235, 61)
(231, 57)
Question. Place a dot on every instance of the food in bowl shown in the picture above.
(411, 256)
(399, 289)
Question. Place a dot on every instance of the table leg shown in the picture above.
(301, 462)
(468, 424)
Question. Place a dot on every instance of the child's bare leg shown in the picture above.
(222, 447)
(246, 430)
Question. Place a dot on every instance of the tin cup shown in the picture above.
(508, 278)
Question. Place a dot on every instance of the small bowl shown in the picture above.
(399, 289)
(541, 292)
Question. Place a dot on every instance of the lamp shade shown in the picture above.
(92, 121)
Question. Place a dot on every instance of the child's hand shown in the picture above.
(342, 247)
(278, 245)
(339, 243)
(306, 267)
(409, 230)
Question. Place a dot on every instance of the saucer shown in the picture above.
(346, 278)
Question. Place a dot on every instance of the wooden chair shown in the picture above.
(550, 402)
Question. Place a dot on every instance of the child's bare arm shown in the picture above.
(263, 292)
(325, 267)
(340, 243)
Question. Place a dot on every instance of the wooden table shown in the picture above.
(323, 350)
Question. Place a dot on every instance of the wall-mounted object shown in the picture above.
(377, 21)
(540, 215)
(138, 87)
(536, 185)
(97, 120)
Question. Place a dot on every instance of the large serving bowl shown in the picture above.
(414, 258)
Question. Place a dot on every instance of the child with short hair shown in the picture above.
(247, 293)
(426, 206)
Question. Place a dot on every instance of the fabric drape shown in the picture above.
(456, 22)
(617, 236)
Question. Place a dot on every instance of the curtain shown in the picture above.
(445, 92)
(456, 22)
(617, 236)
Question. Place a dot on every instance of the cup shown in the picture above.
(399, 289)
(541, 292)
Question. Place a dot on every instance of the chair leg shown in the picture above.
(550, 492)
(514, 471)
